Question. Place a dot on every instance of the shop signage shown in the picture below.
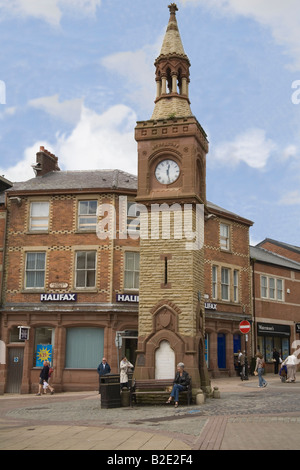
(273, 329)
(43, 353)
(66, 297)
(210, 306)
(127, 298)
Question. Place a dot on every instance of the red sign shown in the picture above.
(245, 327)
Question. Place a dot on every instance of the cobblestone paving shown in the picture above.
(244, 417)
(84, 410)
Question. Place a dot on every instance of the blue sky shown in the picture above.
(78, 74)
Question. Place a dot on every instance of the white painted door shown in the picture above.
(164, 361)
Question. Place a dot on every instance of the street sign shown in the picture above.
(245, 327)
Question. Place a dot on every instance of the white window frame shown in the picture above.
(270, 288)
(85, 269)
(87, 216)
(224, 236)
(35, 270)
(215, 282)
(236, 277)
(43, 227)
(135, 272)
(224, 284)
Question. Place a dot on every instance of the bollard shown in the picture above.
(216, 393)
(200, 397)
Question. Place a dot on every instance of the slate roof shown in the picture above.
(78, 180)
(282, 244)
(265, 256)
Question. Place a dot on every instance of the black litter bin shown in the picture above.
(110, 391)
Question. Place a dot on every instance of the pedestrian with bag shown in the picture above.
(259, 370)
(291, 363)
(44, 375)
(125, 367)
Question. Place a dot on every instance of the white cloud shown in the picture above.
(137, 71)
(290, 151)
(100, 141)
(50, 11)
(68, 111)
(103, 141)
(290, 198)
(282, 17)
(250, 147)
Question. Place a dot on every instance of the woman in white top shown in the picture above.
(125, 366)
(291, 364)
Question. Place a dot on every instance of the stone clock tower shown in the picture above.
(172, 148)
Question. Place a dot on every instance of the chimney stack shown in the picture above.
(45, 162)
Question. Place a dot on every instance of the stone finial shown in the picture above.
(173, 8)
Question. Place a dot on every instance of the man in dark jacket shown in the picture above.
(103, 369)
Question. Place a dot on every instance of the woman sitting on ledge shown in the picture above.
(180, 384)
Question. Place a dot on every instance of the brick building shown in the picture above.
(62, 277)
(276, 298)
(227, 288)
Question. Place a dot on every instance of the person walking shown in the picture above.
(180, 384)
(241, 364)
(125, 366)
(259, 368)
(44, 379)
(276, 357)
(291, 364)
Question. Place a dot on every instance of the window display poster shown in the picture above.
(43, 353)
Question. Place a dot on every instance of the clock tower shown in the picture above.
(172, 148)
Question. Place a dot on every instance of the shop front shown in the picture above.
(270, 336)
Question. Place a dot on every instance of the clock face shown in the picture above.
(167, 171)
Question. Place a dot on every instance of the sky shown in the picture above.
(76, 76)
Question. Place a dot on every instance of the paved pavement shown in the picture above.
(245, 417)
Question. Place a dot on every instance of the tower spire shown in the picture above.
(172, 74)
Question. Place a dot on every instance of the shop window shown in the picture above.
(266, 344)
(84, 348)
(43, 346)
(35, 270)
(87, 215)
(132, 270)
(85, 269)
(39, 216)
